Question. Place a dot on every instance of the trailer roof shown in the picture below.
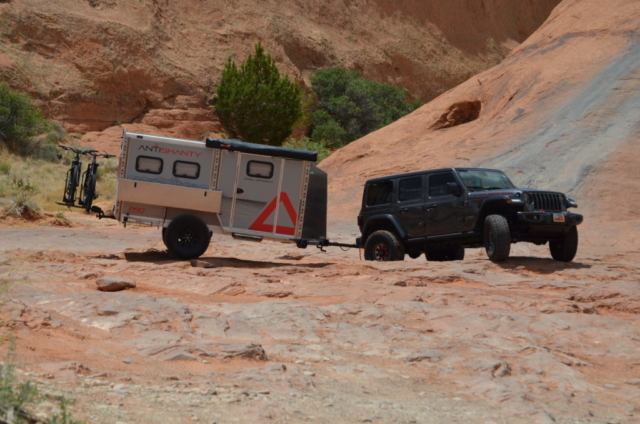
(260, 149)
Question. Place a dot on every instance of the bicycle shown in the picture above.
(89, 178)
(73, 176)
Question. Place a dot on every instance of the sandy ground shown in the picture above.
(270, 332)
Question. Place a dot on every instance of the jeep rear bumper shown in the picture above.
(550, 218)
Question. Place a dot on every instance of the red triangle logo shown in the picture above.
(259, 223)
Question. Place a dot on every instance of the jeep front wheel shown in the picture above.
(497, 239)
(564, 248)
(383, 246)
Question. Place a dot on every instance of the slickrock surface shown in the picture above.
(273, 333)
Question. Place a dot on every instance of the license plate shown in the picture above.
(558, 217)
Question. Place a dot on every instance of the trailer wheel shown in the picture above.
(383, 246)
(187, 237)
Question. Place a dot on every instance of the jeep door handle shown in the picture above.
(432, 207)
(403, 210)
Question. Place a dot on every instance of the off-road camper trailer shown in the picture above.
(191, 189)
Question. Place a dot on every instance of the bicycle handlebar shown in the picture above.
(97, 155)
(77, 151)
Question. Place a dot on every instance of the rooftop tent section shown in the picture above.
(260, 149)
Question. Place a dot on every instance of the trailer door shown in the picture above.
(258, 184)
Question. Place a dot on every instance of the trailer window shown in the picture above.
(379, 193)
(186, 169)
(259, 169)
(149, 165)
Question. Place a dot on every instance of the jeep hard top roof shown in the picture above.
(428, 171)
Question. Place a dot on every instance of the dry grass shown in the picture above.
(42, 182)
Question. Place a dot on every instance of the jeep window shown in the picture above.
(260, 169)
(379, 193)
(186, 169)
(410, 189)
(483, 179)
(438, 184)
(149, 165)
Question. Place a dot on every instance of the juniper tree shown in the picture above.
(255, 103)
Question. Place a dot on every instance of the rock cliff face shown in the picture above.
(561, 112)
(93, 64)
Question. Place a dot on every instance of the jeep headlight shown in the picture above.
(526, 199)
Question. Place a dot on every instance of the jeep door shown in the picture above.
(410, 205)
(443, 210)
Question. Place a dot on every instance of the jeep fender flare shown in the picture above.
(383, 222)
(493, 206)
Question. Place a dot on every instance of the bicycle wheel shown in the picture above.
(89, 191)
(69, 196)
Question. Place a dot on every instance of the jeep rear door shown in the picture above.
(410, 205)
(443, 210)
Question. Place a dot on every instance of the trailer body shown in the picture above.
(242, 189)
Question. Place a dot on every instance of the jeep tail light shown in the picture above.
(360, 221)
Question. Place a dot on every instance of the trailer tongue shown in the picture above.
(192, 189)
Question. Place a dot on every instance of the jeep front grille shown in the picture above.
(554, 202)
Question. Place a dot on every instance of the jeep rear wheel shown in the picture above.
(383, 246)
(497, 239)
(564, 249)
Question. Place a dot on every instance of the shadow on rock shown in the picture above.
(213, 262)
(539, 265)
(151, 255)
(216, 262)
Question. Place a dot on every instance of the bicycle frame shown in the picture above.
(72, 180)
(89, 179)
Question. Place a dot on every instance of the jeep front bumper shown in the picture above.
(550, 218)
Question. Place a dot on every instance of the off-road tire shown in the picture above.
(497, 239)
(383, 246)
(187, 237)
(564, 249)
(444, 255)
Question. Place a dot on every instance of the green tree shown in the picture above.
(350, 107)
(20, 120)
(255, 103)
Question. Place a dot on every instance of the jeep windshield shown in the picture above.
(483, 179)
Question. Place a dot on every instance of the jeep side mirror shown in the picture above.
(454, 188)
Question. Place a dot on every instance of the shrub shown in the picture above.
(350, 107)
(21, 121)
(254, 103)
(21, 204)
(16, 398)
(306, 144)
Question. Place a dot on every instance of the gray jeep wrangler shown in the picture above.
(443, 211)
